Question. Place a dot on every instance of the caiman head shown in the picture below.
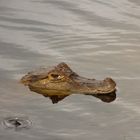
(62, 80)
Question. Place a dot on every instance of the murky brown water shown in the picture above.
(97, 39)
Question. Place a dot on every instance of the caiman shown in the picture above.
(62, 81)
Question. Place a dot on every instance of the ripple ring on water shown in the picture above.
(16, 122)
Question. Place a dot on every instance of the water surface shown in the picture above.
(97, 39)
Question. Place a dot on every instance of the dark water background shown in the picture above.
(97, 38)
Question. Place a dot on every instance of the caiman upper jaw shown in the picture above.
(93, 86)
(108, 85)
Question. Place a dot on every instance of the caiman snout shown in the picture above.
(109, 85)
(94, 86)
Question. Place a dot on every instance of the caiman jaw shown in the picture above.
(107, 86)
(95, 86)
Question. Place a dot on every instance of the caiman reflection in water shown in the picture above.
(104, 97)
(61, 82)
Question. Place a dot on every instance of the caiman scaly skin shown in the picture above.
(62, 80)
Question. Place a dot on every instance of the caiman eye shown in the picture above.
(56, 76)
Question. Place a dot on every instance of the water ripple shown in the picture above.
(98, 38)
